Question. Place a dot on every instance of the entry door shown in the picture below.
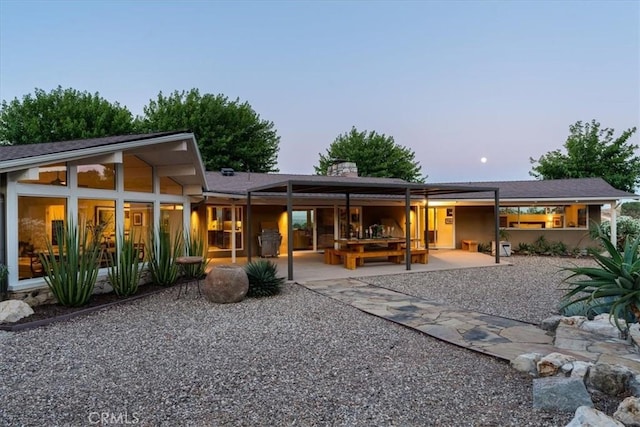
(441, 227)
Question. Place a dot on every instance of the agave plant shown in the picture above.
(162, 256)
(4, 274)
(72, 269)
(615, 282)
(263, 279)
(125, 271)
(195, 246)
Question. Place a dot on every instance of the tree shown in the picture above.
(230, 134)
(631, 209)
(375, 155)
(61, 115)
(593, 152)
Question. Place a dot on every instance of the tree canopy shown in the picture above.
(593, 152)
(375, 156)
(631, 209)
(229, 133)
(61, 115)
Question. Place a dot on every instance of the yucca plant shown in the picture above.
(263, 279)
(161, 258)
(195, 246)
(125, 268)
(4, 284)
(615, 282)
(71, 270)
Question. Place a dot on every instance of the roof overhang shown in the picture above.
(176, 156)
(365, 188)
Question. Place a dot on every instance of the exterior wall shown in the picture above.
(477, 223)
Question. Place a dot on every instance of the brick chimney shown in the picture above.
(343, 168)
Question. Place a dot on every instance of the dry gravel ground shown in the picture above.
(296, 359)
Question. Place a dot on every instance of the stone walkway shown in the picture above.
(493, 335)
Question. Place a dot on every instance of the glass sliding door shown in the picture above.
(303, 226)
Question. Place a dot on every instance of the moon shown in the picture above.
(483, 160)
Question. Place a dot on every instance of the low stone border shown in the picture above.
(64, 317)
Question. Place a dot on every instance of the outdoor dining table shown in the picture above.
(392, 244)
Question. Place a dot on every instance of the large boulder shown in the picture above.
(226, 284)
(610, 379)
(628, 412)
(13, 310)
(587, 416)
(550, 364)
(527, 363)
(560, 394)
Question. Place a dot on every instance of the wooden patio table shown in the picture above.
(356, 250)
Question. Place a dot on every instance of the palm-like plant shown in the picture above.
(263, 279)
(161, 258)
(615, 282)
(125, 269)
(72, 269)
(195, 246)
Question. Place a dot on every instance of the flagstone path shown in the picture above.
(493, 335)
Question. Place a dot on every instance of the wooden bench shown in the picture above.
(470, 245)
(333, 256)
(420, 256)
(351, 259)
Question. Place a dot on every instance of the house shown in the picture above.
(136, 183)
(559, 210)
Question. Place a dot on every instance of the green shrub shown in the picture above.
(588, 308)
(4, 283)
(195, 246)
(263, 279)
(71, 270)
(616, 278)
(626, 228)
(484, 247)
(162, 256)
(126, 269)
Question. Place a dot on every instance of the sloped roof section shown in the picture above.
(241, 182)
(16, 152)
(553, 189)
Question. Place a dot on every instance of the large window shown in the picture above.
(39, 217)
(169, 186)
(220, 227)
(535, 217)
(101, 176)
(138, 175)
(55, 174)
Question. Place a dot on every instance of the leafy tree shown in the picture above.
(229, 133)
(375, 155)
(631, 209)
(593, 152)
(61, 115)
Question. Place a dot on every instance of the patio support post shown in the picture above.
(249, 228)
(614, 224)
(233, 232)
(426, 223)
(348, 207)
(496, 214)
(407, 207)
(290, 230)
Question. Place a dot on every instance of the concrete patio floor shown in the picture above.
(310, 266)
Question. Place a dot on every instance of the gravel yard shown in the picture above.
(296, 359)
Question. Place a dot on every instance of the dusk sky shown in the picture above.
(452, 81)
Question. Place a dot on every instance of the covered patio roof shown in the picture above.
(348, 187)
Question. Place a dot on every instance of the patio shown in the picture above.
(309, 266)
